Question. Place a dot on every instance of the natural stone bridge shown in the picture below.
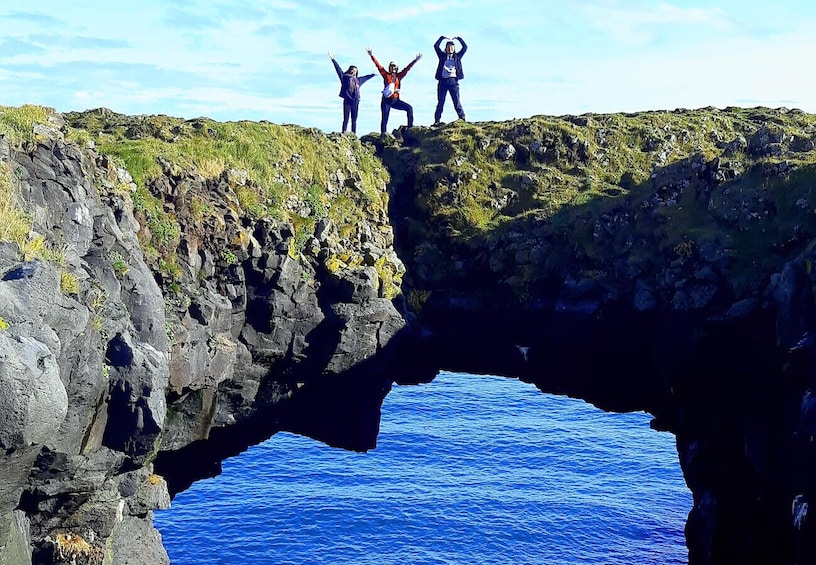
(658, 262)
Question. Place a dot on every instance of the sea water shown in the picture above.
(468, 469)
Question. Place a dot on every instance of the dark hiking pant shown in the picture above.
(350, 109)
(388, 104)
(443, 87)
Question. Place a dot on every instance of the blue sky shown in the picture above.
(267, 60)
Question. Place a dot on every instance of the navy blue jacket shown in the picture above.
(350, 84)
(457, 58)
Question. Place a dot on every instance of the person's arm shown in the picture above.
(404, 71)
(464, 47)
(364, 78)
(438, 50)
(336, 66)
(376, 62)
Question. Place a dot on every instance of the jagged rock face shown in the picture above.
(59, 367)
(657, 262)
(132, 368)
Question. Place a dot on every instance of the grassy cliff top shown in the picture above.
(292, 173)
(622, 193)
(181, 172)
(553, 162)
(598, 185)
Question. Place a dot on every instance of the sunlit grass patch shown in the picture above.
(15, 224)
(68, 283)
(17, 123)
(256, 170)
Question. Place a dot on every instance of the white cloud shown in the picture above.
(639, 24)
(402, 12)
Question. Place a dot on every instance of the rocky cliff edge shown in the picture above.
(173, 291)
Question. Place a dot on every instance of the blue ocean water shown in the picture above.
(468, 469)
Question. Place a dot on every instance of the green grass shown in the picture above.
(68, 283)
(571, 161)
(256, 170)
(15, 223)
(280, 160)
(17, 126)
(604, 186)
(17, 123)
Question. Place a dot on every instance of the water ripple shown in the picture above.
(468, 469)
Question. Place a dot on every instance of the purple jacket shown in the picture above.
(350, 84)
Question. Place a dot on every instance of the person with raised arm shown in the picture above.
(350, 85)
(448, 74)
(392, 80)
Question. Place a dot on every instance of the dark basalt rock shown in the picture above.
(682, 286)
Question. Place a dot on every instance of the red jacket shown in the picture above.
(391, 77)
